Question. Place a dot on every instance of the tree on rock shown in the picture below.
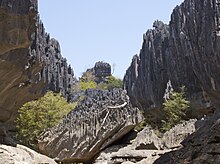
(38, 115)
(175, 108)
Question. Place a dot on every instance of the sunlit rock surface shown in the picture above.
(22, 155)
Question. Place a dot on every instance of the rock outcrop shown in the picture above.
(146, 147)
(146, 78)
(100, 119)
(102, 69)
(30, 62)
(186, 52)
(21, 155)
(98, 73)
(200, 147)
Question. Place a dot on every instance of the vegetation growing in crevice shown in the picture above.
(175, 109)
(38, 115)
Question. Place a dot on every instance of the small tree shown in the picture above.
(38, 115)
(175, 108)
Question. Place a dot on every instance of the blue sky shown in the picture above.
(102, 30)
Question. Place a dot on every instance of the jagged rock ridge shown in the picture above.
(186, 52)
(30, 62)
(189, 55)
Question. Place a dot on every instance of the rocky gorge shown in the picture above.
(101, 128)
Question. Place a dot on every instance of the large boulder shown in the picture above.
(30, 62)
(99, 120)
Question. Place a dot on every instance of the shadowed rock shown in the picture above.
(200, 147)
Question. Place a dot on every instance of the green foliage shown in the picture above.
(114, 82)
(39, 115)
(88, 81)
(111, 82)
(88, 85)
(140, 126)
(175, 109)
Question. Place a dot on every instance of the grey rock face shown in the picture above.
(102, 69)
(21, 155)
(191, 57)
(55, 72)
(146, 78)
(100, 119)
(186, 52)
(173, 138)
(30, 62)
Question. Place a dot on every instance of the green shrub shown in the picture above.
(38, 115)
(114, 82)
(175, 109)
(87, 85)
(111, 82)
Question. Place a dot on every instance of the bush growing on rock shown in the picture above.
(89, 81)
(88, 85)
(175, 108)
(111, 82)
(38, 115)
(114, 82)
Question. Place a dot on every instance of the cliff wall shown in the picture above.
(30, 62)
(186, 52)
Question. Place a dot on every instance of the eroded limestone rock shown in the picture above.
(100, 119)
(186, 52)
(30, 62)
